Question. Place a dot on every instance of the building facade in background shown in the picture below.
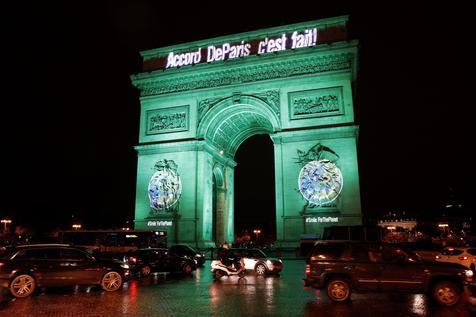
(201, 100)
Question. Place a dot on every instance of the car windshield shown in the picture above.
(412, 256)
(327, 251)
(184, 249)
(256, 254)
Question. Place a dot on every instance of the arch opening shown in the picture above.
(255, 204)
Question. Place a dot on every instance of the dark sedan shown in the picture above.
(24, 268)
(188, 251)
(146, 261)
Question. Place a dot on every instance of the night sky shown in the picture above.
(70, 115)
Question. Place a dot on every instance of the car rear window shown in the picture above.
(451, 252)
(328, 251)
(72, 254)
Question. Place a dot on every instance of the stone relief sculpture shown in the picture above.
(312, 105)
(172, 119)
(320, 102)
(167, 122)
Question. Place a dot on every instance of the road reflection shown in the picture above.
(254, 295)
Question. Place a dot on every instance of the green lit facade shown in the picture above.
(201, 100)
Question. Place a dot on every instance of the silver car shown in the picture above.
(257, 261)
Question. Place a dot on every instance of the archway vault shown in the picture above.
(233, 120)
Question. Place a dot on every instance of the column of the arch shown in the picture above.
(204, 203)
(230, 205)
(220, 222)
(278, 175)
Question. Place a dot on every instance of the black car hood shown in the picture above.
(109, 261)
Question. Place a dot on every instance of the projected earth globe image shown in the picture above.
(320, 182)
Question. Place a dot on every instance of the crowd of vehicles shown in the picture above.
(109, 258)
(340, 267)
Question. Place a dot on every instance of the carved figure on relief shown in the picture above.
(168, 121)
(319, 104)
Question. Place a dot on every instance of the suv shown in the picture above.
(257, 261)
(24, 268)
(341, 267)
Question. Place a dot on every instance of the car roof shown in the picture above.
(41, 245)
(153, 249)
(463, 248)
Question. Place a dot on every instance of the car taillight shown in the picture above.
(462, 258)
(308, 269)
(437, 257)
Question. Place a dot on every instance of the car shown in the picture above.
(188, 251)
(257, 261)
(25, 268)
(148, 260)
(463, 255)
(471, 296)
(343, 267)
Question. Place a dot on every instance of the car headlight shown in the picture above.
(269, 262)
(125, 266)
(469, 275)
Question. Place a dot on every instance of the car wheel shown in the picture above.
(446, 293)
(111, 281)
(22, 286)
(145, 270)
(260, 269)
(187, 268)
(338, 290)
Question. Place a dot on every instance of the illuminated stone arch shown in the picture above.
(233, 120)
(197, 115)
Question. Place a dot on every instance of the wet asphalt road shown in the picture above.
(199, 295)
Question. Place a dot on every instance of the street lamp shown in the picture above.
(5, 222)
(257, 232)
